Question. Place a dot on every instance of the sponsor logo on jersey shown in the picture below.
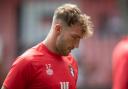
(49, 70)
(71, 70)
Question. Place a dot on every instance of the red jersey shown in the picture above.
(120, 65)
(39, 68)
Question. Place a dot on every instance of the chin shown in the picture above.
(65, 54)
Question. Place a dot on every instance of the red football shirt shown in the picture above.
(39, 68)
(120, 65)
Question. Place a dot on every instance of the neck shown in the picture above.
(49, 42)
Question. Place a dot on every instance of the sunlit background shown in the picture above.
(24, 23)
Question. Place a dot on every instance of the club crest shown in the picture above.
(49, 70)
(71, 70)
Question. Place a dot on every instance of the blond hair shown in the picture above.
(70, 14)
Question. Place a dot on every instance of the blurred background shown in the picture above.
(24, 23)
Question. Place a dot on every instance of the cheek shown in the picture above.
(67, 41)
(64, 41)
(60, 43)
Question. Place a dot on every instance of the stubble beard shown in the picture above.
(61, 49)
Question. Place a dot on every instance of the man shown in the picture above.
(120, 65)
(49, 65)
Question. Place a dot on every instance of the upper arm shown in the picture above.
(18, 76)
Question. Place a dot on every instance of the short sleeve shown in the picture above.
(19, 75)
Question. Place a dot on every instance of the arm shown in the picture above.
(20, 72)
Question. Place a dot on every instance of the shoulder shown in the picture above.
(28, 58)
(34, 57)
(72, 63)
(71, 60)
(71, 57)
(120, 52)
(121, 49)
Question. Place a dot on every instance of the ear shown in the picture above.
(58, 28)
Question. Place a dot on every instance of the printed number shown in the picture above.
(64, 85)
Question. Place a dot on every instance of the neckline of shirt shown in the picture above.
(44, 47)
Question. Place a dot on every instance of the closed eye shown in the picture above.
(74, 37)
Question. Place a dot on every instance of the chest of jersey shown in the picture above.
(54, 74)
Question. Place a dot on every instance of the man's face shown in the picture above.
(68, 39)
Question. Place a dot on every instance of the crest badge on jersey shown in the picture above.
(49, 70)
(71, 70)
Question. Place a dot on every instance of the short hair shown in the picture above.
(70, 14)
